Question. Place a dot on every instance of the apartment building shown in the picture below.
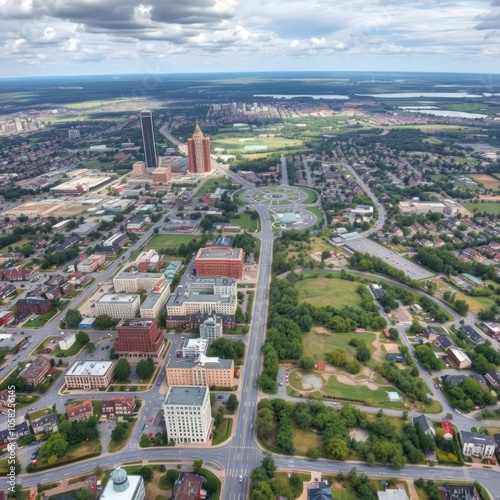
(91, 263)
(34, 305)
(47, 423)
(203, 371)
(220, 261)
(187, 414)
(118, 306)
(138, 337)
(81, 411)
(36, 372)
(87, 375)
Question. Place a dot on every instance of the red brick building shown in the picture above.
(199, 152)
(6, 317)
(35, 373)
(221, 262)
(34, 305)
(80, 412)
(138, 337)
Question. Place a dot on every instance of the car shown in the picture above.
(458, 412)
(158, 384)
(240, 478)
(102, 348)
(281, 383)
(107, 347)
(220, 396)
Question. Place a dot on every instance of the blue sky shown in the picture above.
(71, 37)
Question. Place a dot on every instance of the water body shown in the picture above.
(292, 96)
(405, 95)
(408, 108)
(446, 112)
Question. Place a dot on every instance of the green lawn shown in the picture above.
(75, 451)
(491, 208)
(245, 221)
(115, 446)
(333, 292)
(211, 184)
(42, 345)
(159, 241)
(92, 104)
(72, 351)
(41, 320)
(312, 196)
(305, 439)
(19, 244)
(318, 213)
(223, 432)
(377, 397)
(237, 144)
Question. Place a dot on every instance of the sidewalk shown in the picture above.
(65, 486)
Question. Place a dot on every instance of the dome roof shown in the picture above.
(120, 479)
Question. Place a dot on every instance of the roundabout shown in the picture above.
(276, 196)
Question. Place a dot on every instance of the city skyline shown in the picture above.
(50, 38)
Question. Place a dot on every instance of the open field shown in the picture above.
(159, 241)
(305, 439)
(19, 244)
(329, 292)
(211, 184)
(238, 144)
(318, 213)
(245, 221)
(491, 208)
(437, 127)
(223, 432)
(44, 208)
(93, 104)
(488, 181)
(312, 196)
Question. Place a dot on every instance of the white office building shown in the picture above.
(192, 348)
(118, 306)
(211, 328)
(187, 414)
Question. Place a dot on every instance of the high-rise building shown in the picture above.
(187, 413)
(148, 139)
(199, 152)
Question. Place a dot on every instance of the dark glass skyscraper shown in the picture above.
(148, 139)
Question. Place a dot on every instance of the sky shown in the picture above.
(85, 37)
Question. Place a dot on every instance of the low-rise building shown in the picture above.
(87, 375)
(135, 282)
(460, 492)
(47, 423)
(474, 336)
(81, 411)
(187, 414)
(188, 486)
(118, 406)
(67, 340)
(493, 329)
(459, 358)
(91, 263)
(138, 337)
(425, 424)
(118, 306)
(319, 490)
(34, 305)
(392, 494)
(118, 239)
(493, 378)
(203, 371)
(192, 348)
(37, 370)
(155, 300)
(477, 445)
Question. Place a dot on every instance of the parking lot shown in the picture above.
(364, 245)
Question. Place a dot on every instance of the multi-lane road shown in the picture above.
(241, 453)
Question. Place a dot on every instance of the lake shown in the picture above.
(292, 96)
(405, 95)
(446, 112)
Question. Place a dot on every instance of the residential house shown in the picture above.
(425, 424)
(47, 423)
(493, 329)
(118, 406)
(188, 486)
(477, 445)
(397, 357)
(319, 490)
(392, 494)
(473, 254)
(493, 378)
(81, 411)
(460, 492)
(431, 334)
(448, 430)
(474, 336)
(444, 342)
(459, 358)
(453, 379)
(36, 372)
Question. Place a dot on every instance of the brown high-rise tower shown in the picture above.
(199, 152)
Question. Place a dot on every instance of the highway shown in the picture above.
(242, 453)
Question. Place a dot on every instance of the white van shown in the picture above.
(240, 478)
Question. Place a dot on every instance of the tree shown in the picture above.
(72, 319)
(122, 370)
(337, 448)
(145, 368)
(198, 465)
(461, 307)
(239, 316)
(307, 363)
(265, 424)
(84, 494)
(119, 432)
(268, 465)
(54, 446)
(104, 322)
(232, 402)
(146, 473)
(363, 353)
(313, 453)
(82, 337)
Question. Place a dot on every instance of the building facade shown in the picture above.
(81, 411)
(34, 305)
(119, 306)
(91, 263)
(187, 414)
(477, 445)
(138, 337)
(87, 375)
(155, 300)
(203, 371)
(35, 373)
(199, 152)
(135, 282)
(221, 262)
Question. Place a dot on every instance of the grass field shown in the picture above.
(223, 432)
(488, 181)
(159, 241)
(333, 292)
(40, 321)
(460, 185)
(491, 208)
(246, 222)
(318, 213)
(237, 144)
(115, 446)
(312, 196)
(93, 104)
(79, 450)
(19, 244)
(211, 184)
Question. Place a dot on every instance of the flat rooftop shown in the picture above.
(86, 182)
(201, 360)
(120, 298)
(186, 395)
(135, 323)
(219, 253)
(134, 276)
(89, 368)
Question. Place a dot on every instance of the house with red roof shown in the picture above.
(448, 430)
